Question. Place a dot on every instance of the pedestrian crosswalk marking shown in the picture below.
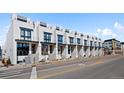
(33, 73)
(9, 73)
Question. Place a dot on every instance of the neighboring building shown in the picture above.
(112, 46)
(0, 52)
(38, 41)
(122, 47)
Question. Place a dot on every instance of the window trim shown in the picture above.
(71, 40)
(24, 30)
(47, 37)
(78, 41)
(60, 38)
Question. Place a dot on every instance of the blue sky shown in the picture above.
(103, 25)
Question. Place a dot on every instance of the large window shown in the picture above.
(25, 33)
(47, 37)
(78, 41)
(71, 39)
(22, 49)
(60, 38)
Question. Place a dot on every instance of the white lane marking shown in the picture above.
(33, 73)
(10, 72)
(14, 76)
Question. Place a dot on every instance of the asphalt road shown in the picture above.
(108, 67)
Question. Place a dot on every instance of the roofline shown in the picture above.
(111, 40)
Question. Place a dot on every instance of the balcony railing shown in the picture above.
(21, 18)
(67, 30)
(43, 24)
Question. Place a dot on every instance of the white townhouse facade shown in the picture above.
(38, 41)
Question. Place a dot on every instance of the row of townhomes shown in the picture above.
(29, 40)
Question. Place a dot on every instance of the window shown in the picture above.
(95, 44)
(25, 33)
(91, 43)
(78, 41)
(28, 33)
(85, 42)
(22, 49)
(47, 37)
(60, 38)
(22, 33)
(71, 40)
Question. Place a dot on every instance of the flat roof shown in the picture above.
(111, 40)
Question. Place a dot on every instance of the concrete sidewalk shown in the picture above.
(17, 66)
(88, 60)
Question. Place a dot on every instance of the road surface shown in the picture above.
(108, 67)
(111, 68)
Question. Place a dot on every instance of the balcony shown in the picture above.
(82, 35)
(43, 24)
(76, 33)
(57, 28)
(21, 18)
(67, 30)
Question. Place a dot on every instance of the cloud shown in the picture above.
(99, 30)
(119, 27)
(106, 32)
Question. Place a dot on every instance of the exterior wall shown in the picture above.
(8, 48)
(122, 48)
(112, 46)
(38, 36)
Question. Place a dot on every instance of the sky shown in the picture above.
(102, 25)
